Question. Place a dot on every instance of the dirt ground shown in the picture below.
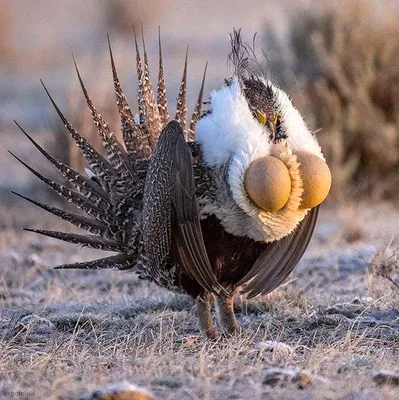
(330, 332)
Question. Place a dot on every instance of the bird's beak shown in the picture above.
(272, 127)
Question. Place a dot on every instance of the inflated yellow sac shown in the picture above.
(316, 178)
(268, 183)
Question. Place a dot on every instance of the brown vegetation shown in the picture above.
(123, 15)
(386, 265)
(347, 61)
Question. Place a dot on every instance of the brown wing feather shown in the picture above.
(279, 258)
(170, 212)
(188, 235)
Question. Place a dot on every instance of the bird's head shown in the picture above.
(261, 102)
(276, 170)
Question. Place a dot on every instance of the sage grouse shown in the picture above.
(207, 210)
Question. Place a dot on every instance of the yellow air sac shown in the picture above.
(316, 178)
(268, 183)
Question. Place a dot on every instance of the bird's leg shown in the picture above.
(204, 309)
(226, 315)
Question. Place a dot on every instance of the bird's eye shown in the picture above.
(261, 117)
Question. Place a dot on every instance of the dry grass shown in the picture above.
(345, 76)
(324, 334)
(386, 266)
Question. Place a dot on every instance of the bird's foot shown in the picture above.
(210, 334)
(204, 309)
(226, 315)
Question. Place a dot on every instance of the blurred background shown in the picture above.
(338, 60)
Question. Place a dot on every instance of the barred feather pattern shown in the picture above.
(70, 195)
(148, 111)
(85, 186)
(120, 261)
(181, 110)
(112, 195)
(135, 140)
(153, 120)
(100, 166)
(161, 91)
(90, 225)
(197, 108)
(94, 242)
(115, 152)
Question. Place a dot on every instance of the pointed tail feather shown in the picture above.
(88, 224)
(101, 167)
(152, 121)
(197, 108)
(181, 111)
(93, 242)
(161, 92)
(115, 152)
(135, 140)
(72, 196)
(140, 79)
(86, 187)
(120, 261)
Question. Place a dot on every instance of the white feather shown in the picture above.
(230, 130)
(299, 136)
(231, 137)
(89, 173)
(137, 119)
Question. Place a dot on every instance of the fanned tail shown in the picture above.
(148, 111)
(112, 194)
(153, 121)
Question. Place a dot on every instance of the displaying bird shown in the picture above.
(226, 204)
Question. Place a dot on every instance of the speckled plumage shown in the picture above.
(169, 206)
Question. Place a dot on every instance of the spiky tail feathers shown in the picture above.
(111, 195)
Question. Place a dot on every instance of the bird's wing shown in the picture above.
(170, 212)
(279, 258)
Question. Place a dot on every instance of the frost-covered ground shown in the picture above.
(331, 331)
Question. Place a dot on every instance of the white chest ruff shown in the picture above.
(232, 138)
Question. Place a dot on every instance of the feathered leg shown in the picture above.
(204, 309)
(226, 315)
